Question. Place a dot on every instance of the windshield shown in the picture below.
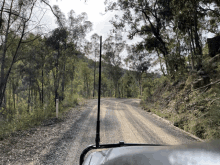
(150, 67)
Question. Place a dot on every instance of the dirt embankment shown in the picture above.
(191, 103)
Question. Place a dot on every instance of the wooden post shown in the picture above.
(57, 101)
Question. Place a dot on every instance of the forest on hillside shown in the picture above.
(37, 67)
(175, 37)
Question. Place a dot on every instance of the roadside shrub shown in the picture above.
(198, 129)
(70, 101)
(50, 109)
(213, 133)
(146, 93)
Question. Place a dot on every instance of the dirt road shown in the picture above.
(121, 120)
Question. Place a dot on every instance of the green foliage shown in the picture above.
(70, 100)
(42, 70)
(146, 93)
(129, 86)
(170, 29)
(198, 128)
(194, 110)
(26, 120)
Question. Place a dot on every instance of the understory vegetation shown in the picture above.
(187, 102)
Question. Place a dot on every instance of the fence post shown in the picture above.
(57, 102)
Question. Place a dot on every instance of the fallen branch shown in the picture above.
(203, 92)
(214, 100)
(208, 85)
(202, 115)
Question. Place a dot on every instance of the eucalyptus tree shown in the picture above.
(39, 58)
(94, 50)
(112, 48)
(138, 60)
(43, 54)
(192, 18)
(85, 72)
(17, 19)
(147, 19)
(168, 27)
(129, 86)
(57, 41)
(186, 21)
(213, 13)
(30, 72)
(14, 20)
(69, 35)
(78, 26)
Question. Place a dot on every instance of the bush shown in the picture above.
(198, 128)
(70, 101)
(140, 97)
(25, 119)
(146, 93)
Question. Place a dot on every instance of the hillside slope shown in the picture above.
(192, 102)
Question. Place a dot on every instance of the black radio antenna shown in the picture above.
(97, 140)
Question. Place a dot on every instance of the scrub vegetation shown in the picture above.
(188, 105)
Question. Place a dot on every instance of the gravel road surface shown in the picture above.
(121, 120)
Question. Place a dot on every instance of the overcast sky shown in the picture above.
(95, 10)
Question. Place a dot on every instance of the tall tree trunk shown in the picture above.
(156, 33)
(39, 91)
(1, 18)
(13, 88)
(192, 58)
(141, 85)
(161, 67)
(87, 84)
(42, 87)
(119, 94)
(63, 81)
(5, 78)
(94, 78)
(2, 83)
(29, 98)
(56, 83)
(9, 102)
(196, 36)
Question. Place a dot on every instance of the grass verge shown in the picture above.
(36, 117)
